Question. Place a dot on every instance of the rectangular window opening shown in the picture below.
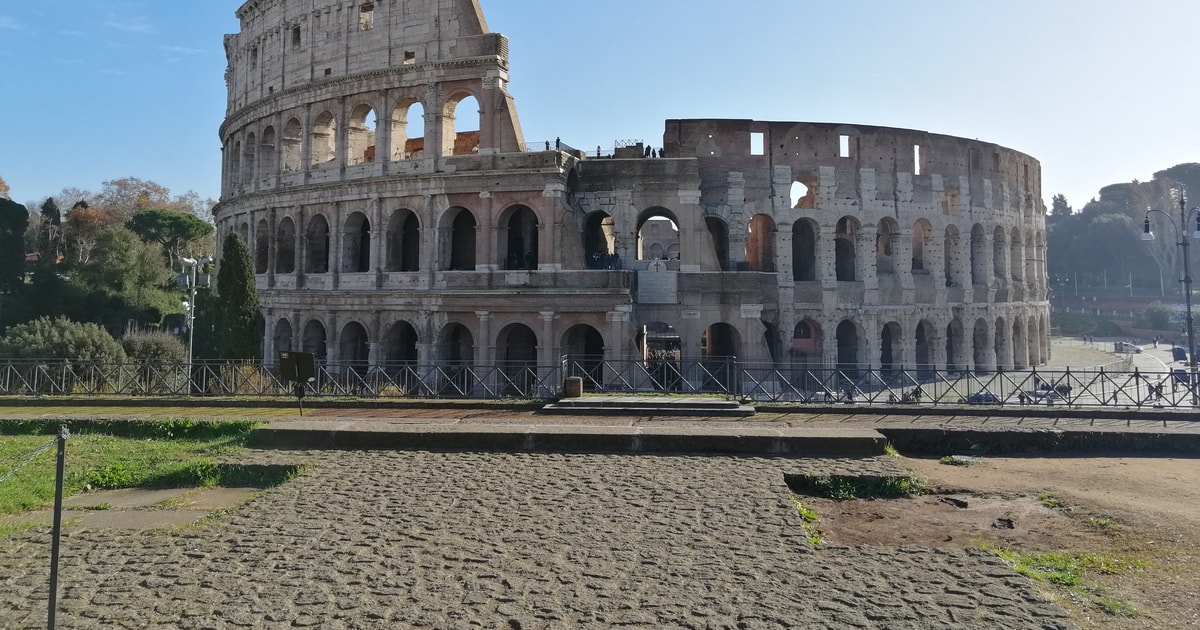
(295, 37)
(254, 57)
(844, 146)
(410, 57)
(328, 71)
(916, 159)
(757, 143)
(996, 162)
(366, 17)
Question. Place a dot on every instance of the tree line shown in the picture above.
(109, 267)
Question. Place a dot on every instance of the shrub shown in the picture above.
(154, 348)
(61, 338)
(1157, 316)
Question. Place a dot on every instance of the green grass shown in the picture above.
(890, 451)
(1070, 571)
(808, 521)
(848, 487)
(1051, 502)
(959, 460)
(114, 455)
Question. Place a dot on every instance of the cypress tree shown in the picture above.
(237, 312)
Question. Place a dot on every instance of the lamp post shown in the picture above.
(190, 280)
(1183, 242)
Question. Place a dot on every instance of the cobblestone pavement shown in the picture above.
(466, 540)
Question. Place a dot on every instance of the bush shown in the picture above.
(1157, 316)
(61, 338)
(154, 348)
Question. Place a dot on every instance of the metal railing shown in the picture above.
(756, 383)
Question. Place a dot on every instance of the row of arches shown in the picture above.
(350, 135)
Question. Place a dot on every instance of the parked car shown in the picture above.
(981, 398)
(1126, 347)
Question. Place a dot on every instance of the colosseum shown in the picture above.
(397, 217)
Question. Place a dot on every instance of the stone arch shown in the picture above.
(400, 346)
(244, 232)
(323, 140)
(408, 130)
(462, 121)
(846, 249)
(1020, 345)
(315, 340)
(999, 254)
(456, 346)
(979, 271)
(283, 335)
(951, 260)
(720, 346)
(804, 250)
(249, 160)
(850, 350)
(293, 141)
(1036, 357)
(262, 247)
(657, 234)
(404, 241)
(1016, 255)
(583, 353)
(316, 245)
(920, 238)
(235, 164)
(599, 241)
(718, 232)
(760, 243)
(354, 347)
(807, 345)
(924, 347)
(518, 236)
(982, 342)
(459, 228)
(268, 160)
(891, 347)
(1000, 340)
(516, 351)
(285, 246)
(1031, 258)
(361, 135)
(887, 242)
(955, 346)
(356, 244)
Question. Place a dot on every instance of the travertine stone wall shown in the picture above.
(795, 244)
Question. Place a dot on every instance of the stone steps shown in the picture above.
(693, 406)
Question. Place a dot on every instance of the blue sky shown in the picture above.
(1100, 91)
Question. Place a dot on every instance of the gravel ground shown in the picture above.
(518, 541)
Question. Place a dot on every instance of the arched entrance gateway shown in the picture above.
(583, 355)
(516, 350)
(660, 349)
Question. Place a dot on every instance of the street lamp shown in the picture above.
(1183, 242)
(190, 281)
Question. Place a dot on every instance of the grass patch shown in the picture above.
(1051, 502)
(848, 487)
(890, 451)
(959, 460)
(1069, 571)
(115, 455)
(808, 522)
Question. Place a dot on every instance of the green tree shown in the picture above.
(170, 229)
(61, 338)
(237, 303)
(1059, 207)
(154, 348)
(14, 218)
(125, 280)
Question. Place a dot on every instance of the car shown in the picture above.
(981, 398)
(1126, 347)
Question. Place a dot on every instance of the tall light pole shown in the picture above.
(190, 305)
(1183, 242)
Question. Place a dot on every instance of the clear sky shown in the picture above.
(1100, 91)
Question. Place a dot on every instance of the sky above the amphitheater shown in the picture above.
(1100, 91)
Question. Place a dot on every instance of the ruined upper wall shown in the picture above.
(284, 44)
(902, 160)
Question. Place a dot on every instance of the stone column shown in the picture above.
(485, 344)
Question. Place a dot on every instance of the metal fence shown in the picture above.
(756, 383)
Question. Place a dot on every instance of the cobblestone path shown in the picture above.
(462, 540)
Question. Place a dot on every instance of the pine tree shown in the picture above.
(237, 303)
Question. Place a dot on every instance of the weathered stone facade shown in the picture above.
(802, 244)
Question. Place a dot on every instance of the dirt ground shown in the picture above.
(1136, 508)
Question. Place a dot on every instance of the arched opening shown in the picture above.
(886, 241)
(404, 242)
(802, 196)
(1002, 349)
(845, 251)
(804, 251)
(314, 340)
(954, 345)
(999, 251)
(600, 241)
(292, 143)
(262, 247)
(719, 233)
(399, 359)
(1036, 357)
(1031, 257)
(267, 160)
(921, 231)
(516, 349)
(660, 347)
(235, 165)
(583, 354)
(719, 350)
(323, 140)
(890, 349)
(760, 244)
(982, 343)
(658, 235)
(316, 245)
(283, 336)
(979, 271)
(924, 348)
(244, 232)
(356, 244)
(1016, 255)
(249, 160)
(285, 246)
(1020, 345)
(461, 254)
(360, 137)
(848, 347)
(462, 119)
(519, 240)
(950, 256)
(456, 346)
(408, 130)
(354, 348)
